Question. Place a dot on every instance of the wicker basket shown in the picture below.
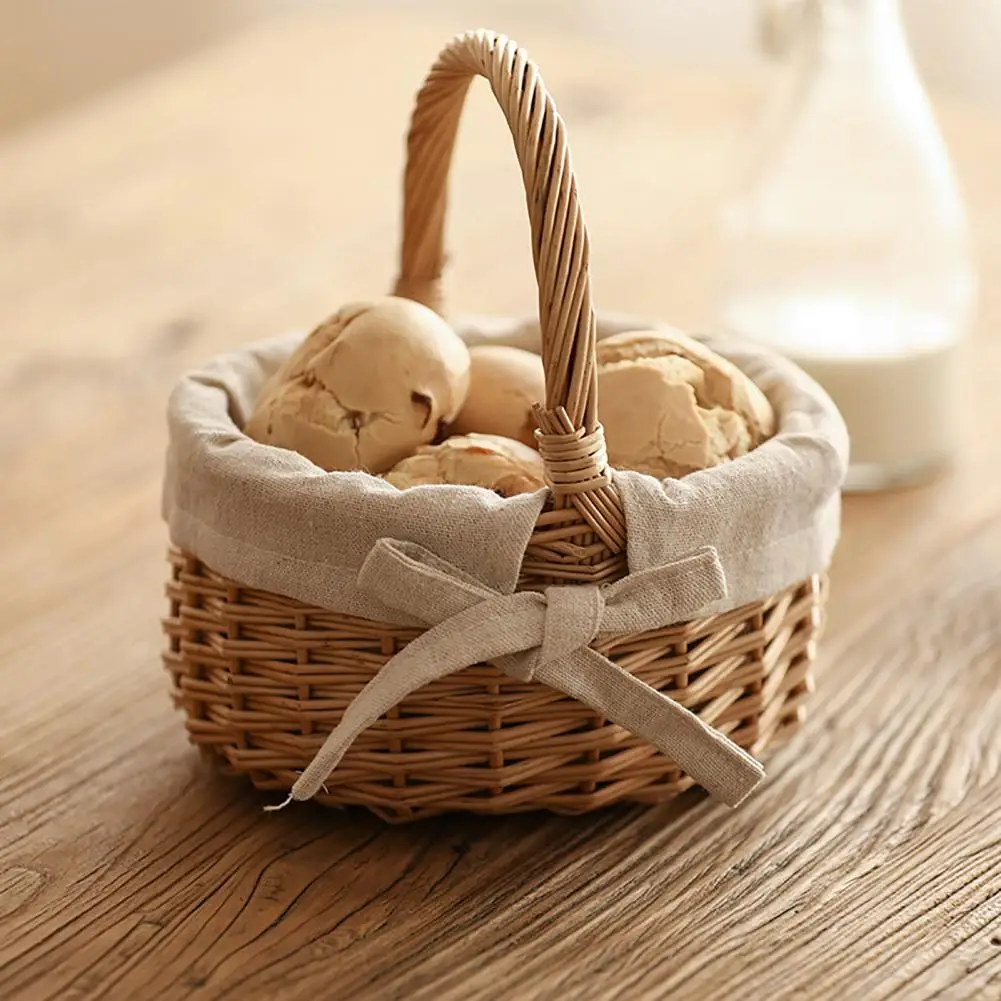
(263, 678)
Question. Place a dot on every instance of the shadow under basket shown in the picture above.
(263, 679)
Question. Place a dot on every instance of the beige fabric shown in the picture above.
(270, 518)
(543, 637)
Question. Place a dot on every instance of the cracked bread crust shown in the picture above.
(506, 466)
(365, 388)
(670, 406)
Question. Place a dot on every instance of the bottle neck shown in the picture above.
(854, 28)
(861, 9)
(852, 45)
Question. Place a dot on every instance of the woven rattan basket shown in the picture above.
(264, 678)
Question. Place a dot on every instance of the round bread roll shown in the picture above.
(504, 382)
(365, 388)
(500, 464)
(670, 406)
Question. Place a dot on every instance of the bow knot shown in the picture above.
(546, 638)
(572, 619)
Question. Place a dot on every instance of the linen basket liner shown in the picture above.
(448, 557)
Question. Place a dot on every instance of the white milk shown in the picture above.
(901, 412)
(892, 372)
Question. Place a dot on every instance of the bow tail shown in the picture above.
(473, 635)
(723, 769)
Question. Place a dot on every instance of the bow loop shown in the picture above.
(411, 579)
(662, 595)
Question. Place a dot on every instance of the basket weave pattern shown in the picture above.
(263, 679)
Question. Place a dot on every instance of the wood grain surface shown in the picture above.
(251, 191)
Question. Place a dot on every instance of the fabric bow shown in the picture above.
(543, 637)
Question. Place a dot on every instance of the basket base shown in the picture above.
(262, 679)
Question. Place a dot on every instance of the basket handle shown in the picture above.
(571, 440)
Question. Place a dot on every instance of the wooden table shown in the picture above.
(252, 191)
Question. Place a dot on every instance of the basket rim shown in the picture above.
(789, 526)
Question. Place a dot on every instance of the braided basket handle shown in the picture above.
(571, 440)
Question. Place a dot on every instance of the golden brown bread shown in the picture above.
(484, 460)
(670, 405)
(504, 382)
(367, 387)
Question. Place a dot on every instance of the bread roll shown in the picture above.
(504, 382)
(503, 465)
(367, 387)
(670, 406)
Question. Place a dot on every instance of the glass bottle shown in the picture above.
(846, 246)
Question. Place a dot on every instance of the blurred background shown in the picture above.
(772, 169)
(55, 53)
